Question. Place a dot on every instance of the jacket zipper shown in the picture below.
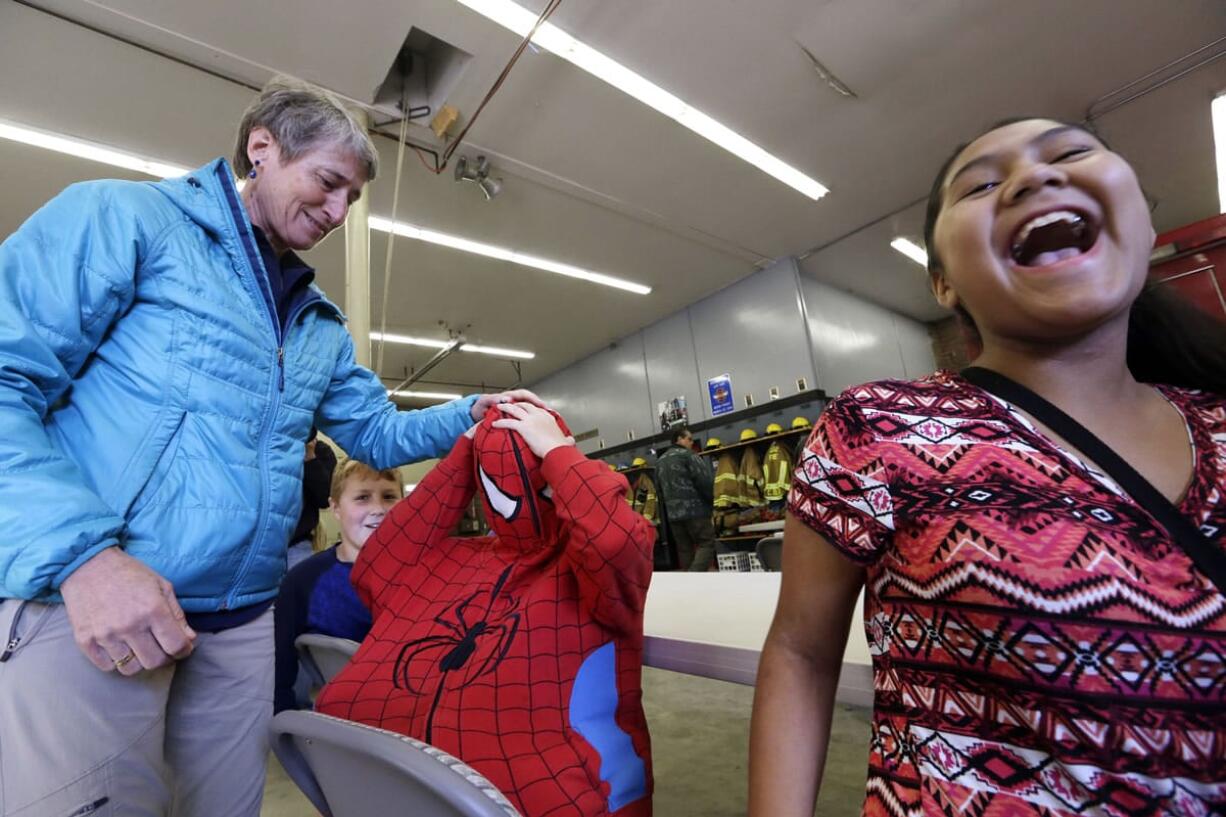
(13, 640)
(523, 475)
(256, 266)
(90, 808)
(293, 317)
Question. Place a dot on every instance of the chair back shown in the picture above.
(770, 553)
(323, 656)
(348, 769)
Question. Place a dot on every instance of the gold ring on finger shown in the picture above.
(122, 662)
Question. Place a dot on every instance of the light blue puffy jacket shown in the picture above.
(148, 398)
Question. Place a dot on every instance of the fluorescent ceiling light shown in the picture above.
(497, 351)
(1219, 142)
(427, 395)
(153, 167)
(912, 250)
(518, 19)
(88, 150)
(390, 338)
(442, 344)
(400, 228)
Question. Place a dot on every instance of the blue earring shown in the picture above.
(251, 175)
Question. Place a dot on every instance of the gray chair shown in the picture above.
(348, 769)
(770, 552)
(323, 656)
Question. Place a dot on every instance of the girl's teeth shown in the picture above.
(1044, 220)
(1053, 256)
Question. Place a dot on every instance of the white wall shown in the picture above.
(607, 391)
(753, 331)
(765, 331)
(671, 362)
(855, 341)
(729, 610)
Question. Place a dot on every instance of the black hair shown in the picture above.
(1170, 340)
(1173, 341)
(679, 432)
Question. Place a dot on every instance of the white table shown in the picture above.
(714, 624)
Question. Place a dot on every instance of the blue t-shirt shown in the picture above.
(315, 597)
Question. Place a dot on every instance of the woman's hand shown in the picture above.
(124, 616)
(516, 396)
(538, 427)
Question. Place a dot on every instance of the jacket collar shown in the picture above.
(204, 197)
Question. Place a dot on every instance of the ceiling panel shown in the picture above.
(597, 180)
(741, 63)
(865, 264)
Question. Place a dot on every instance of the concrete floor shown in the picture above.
(700, 745)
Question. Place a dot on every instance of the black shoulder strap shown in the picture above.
(1206, 554)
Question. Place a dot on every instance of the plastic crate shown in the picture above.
(755, 564)
(733, 562)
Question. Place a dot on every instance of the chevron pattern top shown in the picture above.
(1040, 645)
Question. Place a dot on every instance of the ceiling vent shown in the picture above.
(424, 72)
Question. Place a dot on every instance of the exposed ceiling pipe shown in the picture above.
(1109, 102)
(439, 357)
(456, 384)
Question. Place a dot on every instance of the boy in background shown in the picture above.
(316, 596)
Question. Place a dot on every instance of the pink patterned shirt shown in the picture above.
(1040, 646)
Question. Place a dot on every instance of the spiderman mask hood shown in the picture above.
(518, 502)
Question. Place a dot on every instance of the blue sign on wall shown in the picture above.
(720, 389)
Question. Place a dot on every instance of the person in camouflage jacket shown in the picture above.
(686, 484)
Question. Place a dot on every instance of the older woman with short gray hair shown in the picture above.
(164, 356)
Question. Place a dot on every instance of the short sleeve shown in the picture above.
(840, 487)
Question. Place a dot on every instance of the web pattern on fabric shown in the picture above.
(477, 643)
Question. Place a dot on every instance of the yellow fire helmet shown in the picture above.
(774, 428)
(612, 466)
(748, 434)
(638, 462)
(713, 442)
(800, 422)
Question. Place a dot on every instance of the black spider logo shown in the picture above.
(458, 646)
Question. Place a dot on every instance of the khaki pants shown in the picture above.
(187, 740)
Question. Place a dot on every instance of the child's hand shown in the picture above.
(517, 396)
(538, 427)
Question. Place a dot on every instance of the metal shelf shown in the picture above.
(755, 441)
(772, 526)
(742, 416)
